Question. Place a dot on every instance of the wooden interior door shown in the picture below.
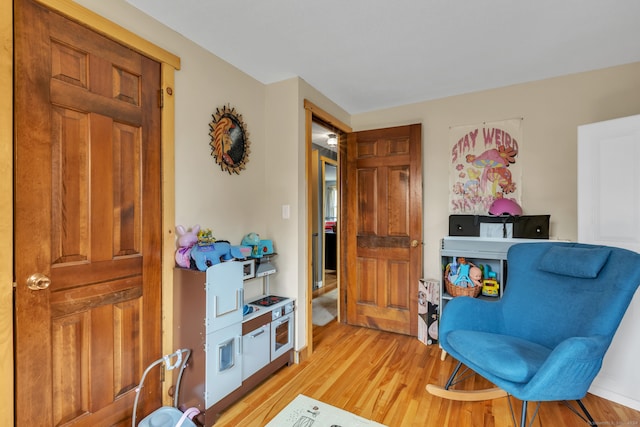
(87, 224)
(383, 218)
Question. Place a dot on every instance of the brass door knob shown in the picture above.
(38, 282)
(414, 243)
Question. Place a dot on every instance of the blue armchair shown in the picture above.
(546, 338)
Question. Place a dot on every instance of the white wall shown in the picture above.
(282, 186)
(552, 109)
(286, 185)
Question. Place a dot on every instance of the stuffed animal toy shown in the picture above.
(186, 240)
(252, 240)
(207, 255)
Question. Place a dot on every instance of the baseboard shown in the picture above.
(614, 397)
(301, 355)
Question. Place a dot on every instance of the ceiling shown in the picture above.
(367, 55)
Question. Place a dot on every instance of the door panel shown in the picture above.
(608, 212)
(223, 363)
(383, 227)
(87, 215)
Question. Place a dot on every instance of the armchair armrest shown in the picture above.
(569, 370)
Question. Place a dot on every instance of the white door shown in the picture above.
(225, 299)
(255, 350)
(281, 336)
(224, 363)
(609, 214)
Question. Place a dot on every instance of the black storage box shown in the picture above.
(524, 226)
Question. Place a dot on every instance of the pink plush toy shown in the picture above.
(186, 240)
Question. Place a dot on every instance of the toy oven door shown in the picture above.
(281, 335)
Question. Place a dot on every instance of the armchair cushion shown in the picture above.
(584, 263)
(510, 358)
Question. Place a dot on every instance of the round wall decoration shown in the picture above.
(229, 140)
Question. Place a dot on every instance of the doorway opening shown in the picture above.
(321, 162)
(325, 205)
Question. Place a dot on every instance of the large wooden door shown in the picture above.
(383, 192)
(87, 224)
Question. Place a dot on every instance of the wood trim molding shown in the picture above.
(301, 355)
(326, 117)
(308, 114)
(168, 214)
(313, 111)
(6, 213)
(112, 30)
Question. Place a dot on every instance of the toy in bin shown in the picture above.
(490, 285)
(462, 278)
(167, 416)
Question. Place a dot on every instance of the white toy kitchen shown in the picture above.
(235, 344)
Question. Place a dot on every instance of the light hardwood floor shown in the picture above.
(330, 283)
(382, 376)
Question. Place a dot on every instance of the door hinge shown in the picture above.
(162, 373)
(161, 98)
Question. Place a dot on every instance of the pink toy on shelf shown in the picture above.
(186, 240)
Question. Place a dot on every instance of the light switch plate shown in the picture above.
(286, 211)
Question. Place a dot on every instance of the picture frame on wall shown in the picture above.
(229, 140)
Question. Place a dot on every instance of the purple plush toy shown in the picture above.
(186, 240)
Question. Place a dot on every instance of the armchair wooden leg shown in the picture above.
(464, 395)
